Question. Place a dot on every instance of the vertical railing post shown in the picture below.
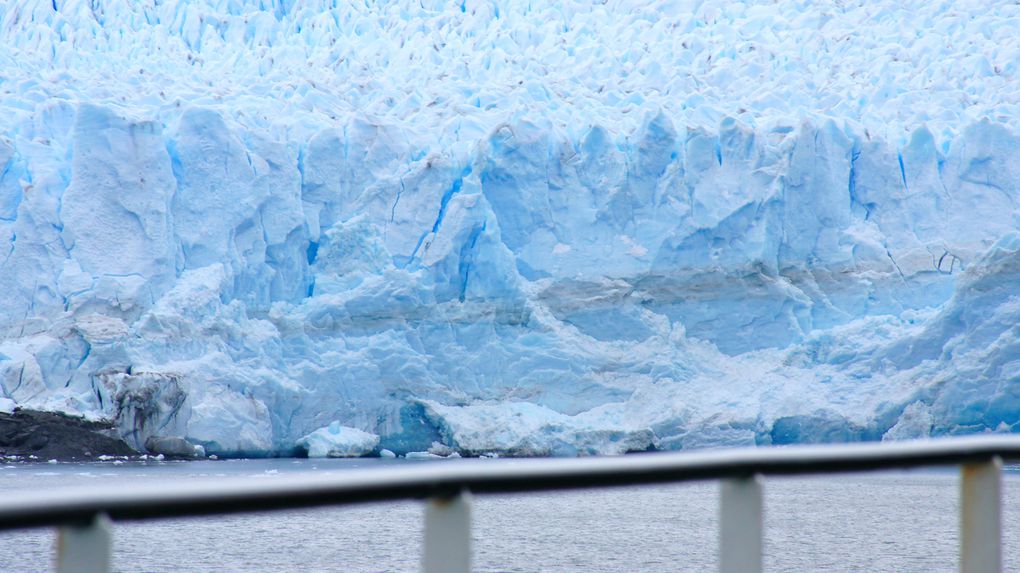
(85, 548)
(740, 525)
(448, 534)
(981, 517)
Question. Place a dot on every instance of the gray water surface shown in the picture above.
(884, 522)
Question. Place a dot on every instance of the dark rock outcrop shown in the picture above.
(51, 435)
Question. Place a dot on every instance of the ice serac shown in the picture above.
(267, 228)
(115, 215)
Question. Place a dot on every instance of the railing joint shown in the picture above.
(740, 525)
(448, 534)
(981, 516)
(85, 548)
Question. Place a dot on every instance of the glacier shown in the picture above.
(589, 228)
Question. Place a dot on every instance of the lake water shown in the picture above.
(886, 522)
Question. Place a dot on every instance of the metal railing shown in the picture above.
(83, 515)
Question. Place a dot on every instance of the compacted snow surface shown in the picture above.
(503, 227)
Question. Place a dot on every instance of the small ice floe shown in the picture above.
(422, 456)
(436, 451)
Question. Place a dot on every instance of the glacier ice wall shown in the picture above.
(584, 229)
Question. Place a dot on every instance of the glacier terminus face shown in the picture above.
(268, 226)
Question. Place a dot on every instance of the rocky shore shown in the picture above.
(34, 435)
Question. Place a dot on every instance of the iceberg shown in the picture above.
(504, 228)
(336, 441)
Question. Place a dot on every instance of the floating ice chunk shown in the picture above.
(336, 441)
(422, 456)
(172, 446)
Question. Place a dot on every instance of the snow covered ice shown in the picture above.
(565, 230)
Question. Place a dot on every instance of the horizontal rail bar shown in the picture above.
(149, 501)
